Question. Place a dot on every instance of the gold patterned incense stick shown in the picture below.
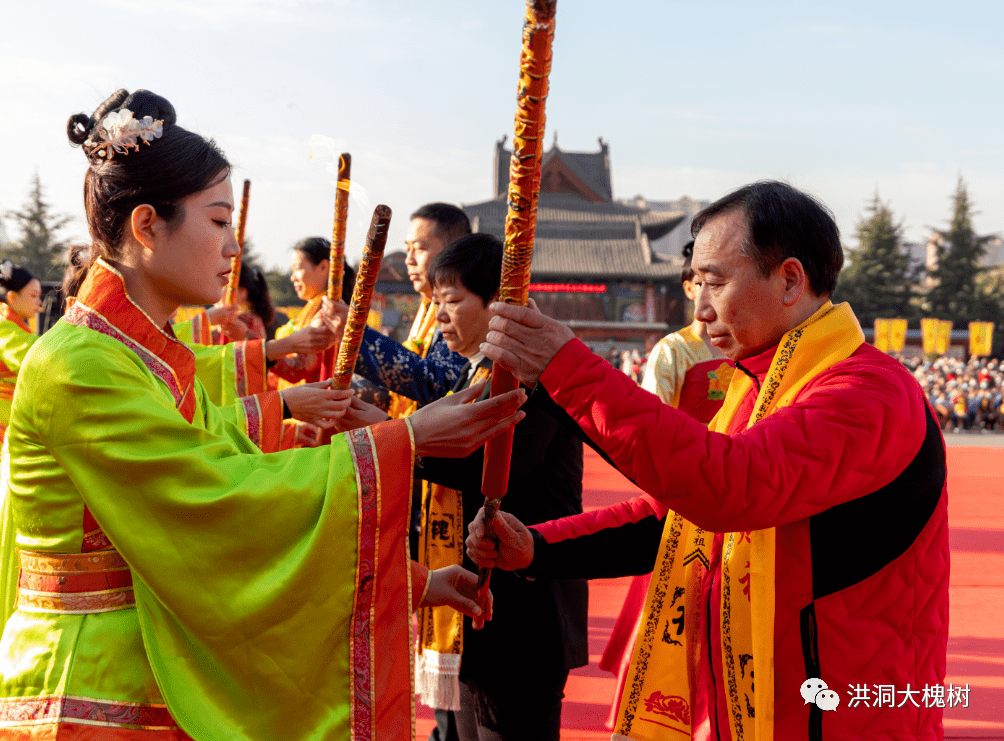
(362, 295)
(235, 263)
(336, 265)
(520, 225)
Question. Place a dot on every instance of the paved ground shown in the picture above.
(976, 633)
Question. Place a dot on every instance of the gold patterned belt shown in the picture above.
(74, 583)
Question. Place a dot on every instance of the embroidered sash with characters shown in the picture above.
(441, 629)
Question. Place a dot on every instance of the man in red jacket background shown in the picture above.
(800, 584)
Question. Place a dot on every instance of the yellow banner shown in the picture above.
(897, 334)
(981, 335)
(881, 341)
(929, 331)
(944, 337)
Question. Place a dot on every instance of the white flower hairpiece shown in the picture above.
(119, 131)
(6, 269)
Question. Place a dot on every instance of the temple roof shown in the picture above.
(562, 215)
(599, 259)
(581, 233)
(584, 173)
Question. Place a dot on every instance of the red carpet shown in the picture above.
(976, 633)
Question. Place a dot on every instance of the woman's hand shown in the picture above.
(221, 313)
(333, 315)
(225, 317)
(511, 548)
(360, 414)
(307, 341)
(317, 403)
(307, 435)
(456, 587)
(452, 428)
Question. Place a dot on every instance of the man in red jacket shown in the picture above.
(800, 585)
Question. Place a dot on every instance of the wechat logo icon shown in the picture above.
(814, 690)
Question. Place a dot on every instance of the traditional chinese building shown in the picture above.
(593, 263)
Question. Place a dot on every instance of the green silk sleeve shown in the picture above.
(214, 367)
(14, 345)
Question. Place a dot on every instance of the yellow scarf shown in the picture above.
(659, 692)
(419, 339)
(441, 629)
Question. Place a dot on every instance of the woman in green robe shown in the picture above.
(20, 299)
(174, 581)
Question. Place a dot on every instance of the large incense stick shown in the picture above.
(362, 295)
(336, 265)
(230, 297)
(336, 259)
(520, 224)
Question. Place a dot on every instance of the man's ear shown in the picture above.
(795, 280)
(145, 225)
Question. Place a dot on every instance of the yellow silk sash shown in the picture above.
(418, 342)
(659, 695)
(441, 629)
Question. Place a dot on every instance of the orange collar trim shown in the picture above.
(104, 306)
(8, 313)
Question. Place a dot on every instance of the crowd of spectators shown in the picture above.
(965, 395)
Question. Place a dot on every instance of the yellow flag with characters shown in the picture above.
(981, 335)
(882, 327)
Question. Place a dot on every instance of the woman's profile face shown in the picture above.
(309, 280)
(28, 301)
(190, 259)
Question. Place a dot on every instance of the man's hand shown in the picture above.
(317, 403)
(511, 549)
(452, 428)
(456, 587)
(523, 341)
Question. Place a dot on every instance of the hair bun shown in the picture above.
(144, 103)
(80, 126)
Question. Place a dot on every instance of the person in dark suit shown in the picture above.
(505, 681)
(513, 671)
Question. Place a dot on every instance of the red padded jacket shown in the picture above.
(852, 475)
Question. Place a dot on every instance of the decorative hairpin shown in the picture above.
(119, 131)
(6, 270)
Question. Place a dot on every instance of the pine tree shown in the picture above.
(879, 281)
(955, 294)
(39, 250)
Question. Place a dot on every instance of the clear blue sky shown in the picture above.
(840, 99)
